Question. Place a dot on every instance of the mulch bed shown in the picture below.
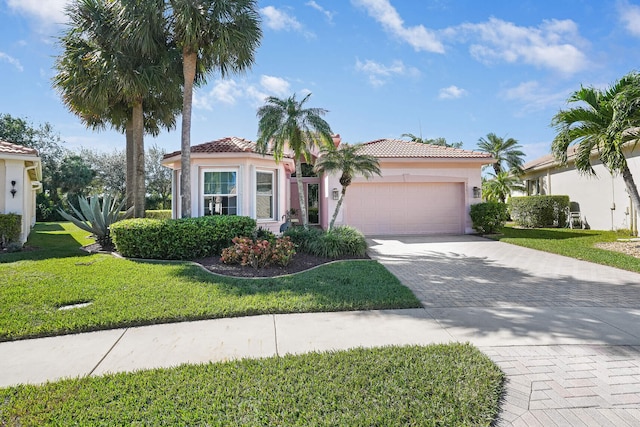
(300, 262)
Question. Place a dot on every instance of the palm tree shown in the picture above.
(285, 122)
(220, 35)
(506, 151)
(433, 141)
(349, 162)
(498, 187)
(605, 123)
(115, 59)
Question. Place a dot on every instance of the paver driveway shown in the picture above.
(565, 332)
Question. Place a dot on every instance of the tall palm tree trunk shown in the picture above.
(632, 189)
(130, 178)
(138, 155)
(338, 206)
(189, 61)
(301, 198)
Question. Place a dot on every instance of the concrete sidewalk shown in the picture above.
(119, 350)
(95, 353)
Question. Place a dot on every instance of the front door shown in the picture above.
(311, 187)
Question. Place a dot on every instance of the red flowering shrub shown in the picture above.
(259, 253)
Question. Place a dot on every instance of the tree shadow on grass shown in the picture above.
(43, 244)
(543, 233)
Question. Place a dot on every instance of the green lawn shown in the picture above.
(34, 284)
(438, 385)
(572, 243)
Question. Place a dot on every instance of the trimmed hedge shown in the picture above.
(539, 211)
(488, 217)
(10, 228)
(188, 238)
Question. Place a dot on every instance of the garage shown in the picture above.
(383, 208)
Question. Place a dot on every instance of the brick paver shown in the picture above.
(558, 385)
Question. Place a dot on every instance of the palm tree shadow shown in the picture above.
(476, 298)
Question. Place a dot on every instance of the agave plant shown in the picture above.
(96, 218)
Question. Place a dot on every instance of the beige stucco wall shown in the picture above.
(246, 165)
(595, 195)
(466, 173)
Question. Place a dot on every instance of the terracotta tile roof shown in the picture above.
(9, 148)
(398, 148)
(230, 144)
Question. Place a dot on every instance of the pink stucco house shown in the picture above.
(424, 189)
(20, 180)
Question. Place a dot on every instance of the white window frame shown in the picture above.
(237, 195)
(273, 194)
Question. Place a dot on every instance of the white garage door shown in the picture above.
(405, 208)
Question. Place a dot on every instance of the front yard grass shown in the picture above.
(35, 284)
(573, 243)
(438, 385)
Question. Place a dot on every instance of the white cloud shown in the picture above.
(553, 44)
(451, 92)
(49, 12)
(419, 37)
(534, 97)
(379, 73)
(230, 92)
(11, 60)
(275, 85)
(279, 20)
(325, 12)
(629, 15)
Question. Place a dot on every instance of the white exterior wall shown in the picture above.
(24, 201)
(413, 170)
(595, 195)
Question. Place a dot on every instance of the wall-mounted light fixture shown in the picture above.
(335, 194)
(477, 192)
(13, 190)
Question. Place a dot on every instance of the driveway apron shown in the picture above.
(565, 332)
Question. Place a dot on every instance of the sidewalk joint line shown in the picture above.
(107, 353)
(275, 334)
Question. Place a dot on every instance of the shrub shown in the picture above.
(264, 234)
(539, 211)
(10, 228)
(95, 217)
(488, 217)
(259, 253)
(185, 238)
(303, 238)
(338, 242)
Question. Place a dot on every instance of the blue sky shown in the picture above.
(457, 69)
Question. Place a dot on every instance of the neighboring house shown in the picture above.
(424, 189)
(602, 200)
(20, 176)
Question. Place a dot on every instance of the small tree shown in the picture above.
(349, 162)
(497, 188)
(285, 122)
(506, 152)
